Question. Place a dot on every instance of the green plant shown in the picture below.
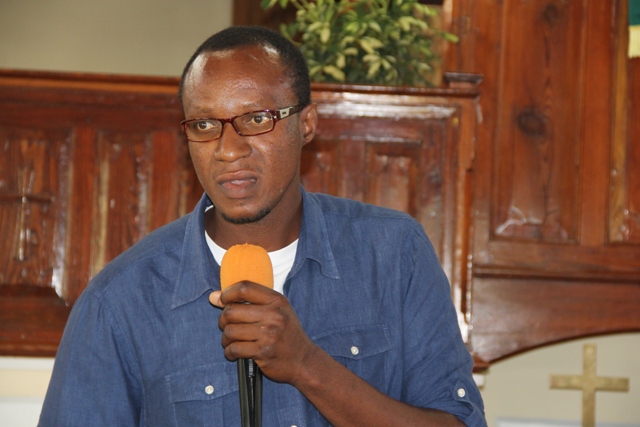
(365, 41)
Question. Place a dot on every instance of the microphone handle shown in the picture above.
(244, 390)
(250, 390)
(257, 397)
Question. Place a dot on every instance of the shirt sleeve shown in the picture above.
(95, 380)
(439, 366)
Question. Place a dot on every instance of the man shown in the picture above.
(360, 330)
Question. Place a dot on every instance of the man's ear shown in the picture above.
(309, 122)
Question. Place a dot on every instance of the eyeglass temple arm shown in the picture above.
(286, 112)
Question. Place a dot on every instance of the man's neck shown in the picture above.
(274, 231)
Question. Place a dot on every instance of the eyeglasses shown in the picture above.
(248, 124)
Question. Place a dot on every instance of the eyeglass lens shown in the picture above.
(246, 125)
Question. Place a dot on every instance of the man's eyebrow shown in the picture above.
(205, 112)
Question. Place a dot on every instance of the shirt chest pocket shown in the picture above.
(364, 350)
(204, 395)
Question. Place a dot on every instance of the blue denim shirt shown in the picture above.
(142, 346)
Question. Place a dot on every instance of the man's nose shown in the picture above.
(230, 145)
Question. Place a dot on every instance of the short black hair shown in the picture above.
(290, 56)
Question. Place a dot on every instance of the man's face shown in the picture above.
(246, 177)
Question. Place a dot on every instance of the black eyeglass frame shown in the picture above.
(279, 114)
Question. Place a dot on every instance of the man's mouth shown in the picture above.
(237, 184)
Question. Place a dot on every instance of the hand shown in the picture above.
(266, 330)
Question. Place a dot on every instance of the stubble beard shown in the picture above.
(247, 219)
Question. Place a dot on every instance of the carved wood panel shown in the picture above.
(556, 252)
(624, 205)
(30, 202)
(88, 165)
(397, 163)
(538, 123)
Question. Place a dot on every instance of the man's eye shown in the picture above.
(258, 119)
(204, 126)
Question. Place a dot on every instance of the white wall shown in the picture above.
(156, 37)
(23, 383)
(151, 37)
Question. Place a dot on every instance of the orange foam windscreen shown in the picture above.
(246, 262)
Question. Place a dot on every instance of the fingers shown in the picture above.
(252, 319)
(247, 292)
(255, 339)
(251, 341)
(241, 350)
(242, 292)
(240, 341)
(241, 313)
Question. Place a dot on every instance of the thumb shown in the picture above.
(214, 299)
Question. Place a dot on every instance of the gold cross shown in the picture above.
(589, 383)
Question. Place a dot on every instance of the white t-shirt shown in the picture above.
(281, 260)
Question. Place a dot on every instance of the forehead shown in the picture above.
(244, 57)
(249, 74)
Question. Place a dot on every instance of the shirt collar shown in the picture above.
(314, 239)
(199, 273)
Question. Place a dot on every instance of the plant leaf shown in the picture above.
(334, 72)
(375, 26)
(267, 4)
(364, 44)
(374, 67)
(325, 33)
(313, 27)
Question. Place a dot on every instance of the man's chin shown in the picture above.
(246, 219)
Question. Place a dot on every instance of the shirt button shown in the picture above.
(209, 389)
(461, 392)
(355, 350)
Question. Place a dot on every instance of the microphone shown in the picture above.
(250, 263)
